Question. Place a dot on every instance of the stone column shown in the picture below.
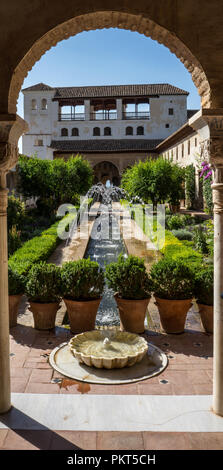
(87, 107)
(119, 108)
(5, 402)
(11, 128)
(212, 151)
(218, 291)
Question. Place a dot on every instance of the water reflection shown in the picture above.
(104, 247)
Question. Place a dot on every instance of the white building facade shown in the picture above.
(109, 113)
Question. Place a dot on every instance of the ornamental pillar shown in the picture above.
(11, 127)
(119, 108)
(212, 151)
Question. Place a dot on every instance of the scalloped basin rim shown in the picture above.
(106, 361)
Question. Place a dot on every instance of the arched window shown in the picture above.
(96, 131)
(64, 132)
(33, 105)
(75, 131)
(129, 130)
(140, 130)
(44, 104)
(107, 131)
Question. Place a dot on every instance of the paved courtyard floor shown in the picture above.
(169, 411)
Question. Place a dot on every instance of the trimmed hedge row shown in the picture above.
(171, 246)
(37, 249)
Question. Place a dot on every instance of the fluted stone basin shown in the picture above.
(108, 349)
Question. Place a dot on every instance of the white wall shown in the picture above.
(44, 125)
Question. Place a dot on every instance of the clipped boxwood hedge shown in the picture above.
(171, 247)
(35, 250)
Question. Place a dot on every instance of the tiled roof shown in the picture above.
(39, 87)
(109, 91)
(118, 91)
(103, 145)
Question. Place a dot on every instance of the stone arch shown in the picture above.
(106, 170)
(109, 19)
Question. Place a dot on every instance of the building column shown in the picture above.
(212, 152)
(119, 108)
(11, 128)
(87, 107)
(5, 400)
(218, 291)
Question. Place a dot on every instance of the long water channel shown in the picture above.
(104, 246)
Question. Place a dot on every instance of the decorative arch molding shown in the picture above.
(109, 19)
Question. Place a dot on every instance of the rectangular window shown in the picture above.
(170, 111)
(177, 153)
(195, 141)
(182, 149)
(38, 142)
(188, 147)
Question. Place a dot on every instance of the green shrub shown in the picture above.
(43, 283)
(176, 222)
(190, 186)
(82, 280)
(172, 280)
(35, 250)
(15, 212)
(182, 234)
(208, 196)
(14, 240)
(16, 282)
(200, 240)
(128, 277)
(203, 289)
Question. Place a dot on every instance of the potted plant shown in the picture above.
(173, 284)
(129, 279)
(43, 292)
(16, 290)
(82, 285)
(203, 292)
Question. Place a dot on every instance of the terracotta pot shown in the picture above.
(14, 301)
(44, 314)
(82, 314)
(173, 314)
(132, 314)
(207, 317)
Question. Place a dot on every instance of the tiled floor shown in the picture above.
(189, 373)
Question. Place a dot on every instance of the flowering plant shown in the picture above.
(206, 170)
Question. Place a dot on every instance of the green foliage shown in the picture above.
(190, 186)
(14, 240)
(43, 283)
(54, 182)
(207, 193)
(167, 243)
(15, 212)
(156, 180)
(182, 234)
(174, 222)
(128, 277)
(210, 237)
(35, 250)
(199, 239)
(172, 280)
(203, 289)
(16, 282)
(82, 280)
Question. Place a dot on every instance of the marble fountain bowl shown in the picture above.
(108, 349)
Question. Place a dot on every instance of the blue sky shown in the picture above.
(110, 56)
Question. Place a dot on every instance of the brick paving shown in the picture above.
(189, 373)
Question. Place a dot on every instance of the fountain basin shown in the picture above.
(108, 350)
